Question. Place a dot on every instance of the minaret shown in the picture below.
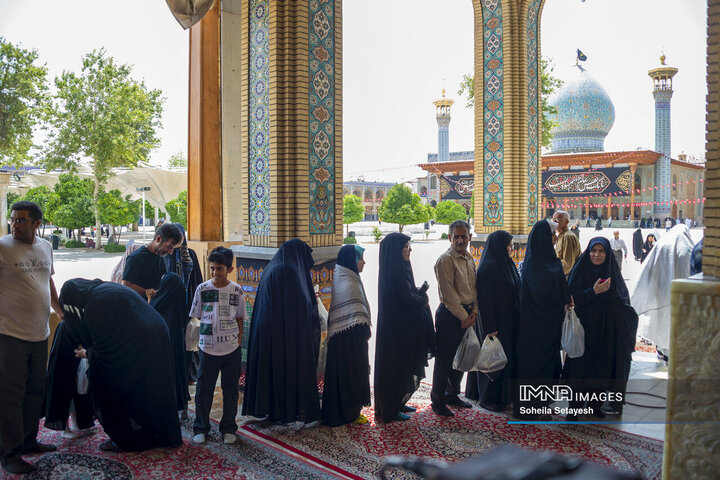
(662, 92)
(442, 114)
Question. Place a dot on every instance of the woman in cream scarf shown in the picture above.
(347, 372)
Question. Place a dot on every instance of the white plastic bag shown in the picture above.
(467, 352)
(573, 335)
(192, 335)
(492, 356)
(322, 355)
(82, 376)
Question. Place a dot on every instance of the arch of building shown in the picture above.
(265, 157)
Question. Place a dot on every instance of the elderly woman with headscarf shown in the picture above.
(544, 298)
(405, 334)
(498, 293)
(132, 379)
(602, 304)
(281, 382)
(170, 303)
(347, 373)
(667, 261)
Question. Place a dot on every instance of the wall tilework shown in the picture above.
(259, 121)
(322, 116)
(493, 114)
(533, 67)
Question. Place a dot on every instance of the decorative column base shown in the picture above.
(692, 431)
(477, 245)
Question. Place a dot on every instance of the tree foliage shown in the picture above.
(11, 198)
(430, 211)
(449, 211)
(549, 84)
(70, 204)
(403, 207)
(177, 160)
(115, 210)
(104, 116)
(23, 96)
(352, 210)
(177, 209)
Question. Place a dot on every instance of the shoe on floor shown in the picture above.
(38, 448)
(183, 415)
(229, 438)
(408, 409)
(493, 407)
(456, 402)
(402, 417)
(443, 411)
(19, 466)
(361, 420)
(199, 438)
(110, 446)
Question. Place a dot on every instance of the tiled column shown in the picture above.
(692, 434)
(507, 104)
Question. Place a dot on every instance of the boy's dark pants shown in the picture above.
(210, 365)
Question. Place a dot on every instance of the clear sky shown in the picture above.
(398, 55)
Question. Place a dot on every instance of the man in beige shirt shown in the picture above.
(455, 272)
(567, 247)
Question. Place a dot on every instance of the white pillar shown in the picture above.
(4, 184)
(156, 216)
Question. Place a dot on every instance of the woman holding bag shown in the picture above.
(498, 294)
(610, 324)
(544, 299)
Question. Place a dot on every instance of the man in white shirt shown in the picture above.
(618, 247)
(27, 292)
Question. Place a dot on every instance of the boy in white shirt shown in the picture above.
(220, 306)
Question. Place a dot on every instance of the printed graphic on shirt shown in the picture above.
(33, 265)
(209, 296)
(218, 310)
(234, 300)
(228, 325)
(206, 329)
(223, 311)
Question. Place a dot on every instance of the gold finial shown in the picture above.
(443, 93)
(662, 59)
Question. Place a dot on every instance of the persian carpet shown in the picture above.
(359, 449)
(81, 459)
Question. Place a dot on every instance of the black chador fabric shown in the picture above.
(132, 379)
(498, 292)
(610, 325)
(637, 244)
(281, 383)
(598, 224)
(170, 303)
(62, 384)
(405, 333)
(347, 372)
(543, 295)
(192, 359)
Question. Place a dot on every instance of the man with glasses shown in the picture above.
(27, 292)
(455, 272)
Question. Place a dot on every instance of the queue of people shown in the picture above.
(133, 333)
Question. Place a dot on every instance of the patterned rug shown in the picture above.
(359, 449)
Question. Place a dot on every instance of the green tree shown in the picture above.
(449, 211)
(403, 207)
(352, 211)
(430, 211)
(70, 205)
(115, 210)
(549, 84)
(177, 160)
(11, 198)
(177, 209)
(23, 96)
(105, 116)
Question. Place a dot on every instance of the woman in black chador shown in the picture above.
(647, 246)
(544, 298)
(347, 373)
(132, 379)
(405, 333)
(284, 342)
(637, 244)
(170, 303)
(498, 292)
(602, 304)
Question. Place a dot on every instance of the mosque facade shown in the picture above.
(578, 175)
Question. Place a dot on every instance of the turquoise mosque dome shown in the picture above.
(585, 115)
